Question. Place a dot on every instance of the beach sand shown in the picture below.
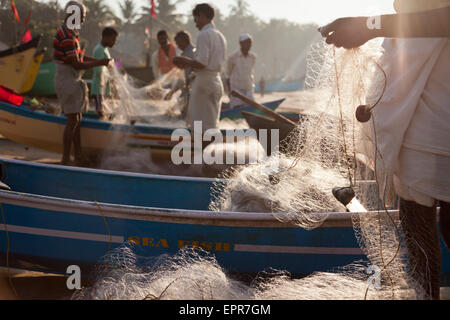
(28, 285)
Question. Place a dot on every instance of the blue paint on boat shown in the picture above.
(236, 112)
(113, 187)
(58, 216)
(52, 234)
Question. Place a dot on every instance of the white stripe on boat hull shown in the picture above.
(237, 247)
(62, 234)
(297, 250)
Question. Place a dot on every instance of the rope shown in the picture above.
(106, 225)
(341, 117)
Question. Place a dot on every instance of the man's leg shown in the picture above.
(98, 99)
(444, 222)
(77, 140)
(419, 225)
(68, 137)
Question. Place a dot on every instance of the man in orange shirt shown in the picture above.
(162, 59)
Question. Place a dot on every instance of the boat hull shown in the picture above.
(58, 216)
(19, 66)
(50, 234)
(236, 113)
(45, 131)
(103, 186)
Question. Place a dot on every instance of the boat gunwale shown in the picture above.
(86, 122)
(33, 44)
(167, 215)
(89, 123)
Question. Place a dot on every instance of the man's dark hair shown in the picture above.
(161, 33)
(204, 8)
(184, 35)
(108, 32)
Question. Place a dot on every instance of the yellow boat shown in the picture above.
(19, 66)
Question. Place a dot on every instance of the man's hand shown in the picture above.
(181, 62)
(185, 62)
(105, 62)
(348, 32)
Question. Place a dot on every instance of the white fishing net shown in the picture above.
(131, 103)
(295, 185)
(318, 156)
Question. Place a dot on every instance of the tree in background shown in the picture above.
(278, 43)
(99, 16)
(45, 18)
(166, 16)
(128, 12)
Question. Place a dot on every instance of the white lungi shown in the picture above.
(205, 102)
(412, 121)
(71, 90)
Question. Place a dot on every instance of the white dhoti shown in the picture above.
(422, 177)
(411, 122)
(235, 101)
(205, 102)
(71, 90)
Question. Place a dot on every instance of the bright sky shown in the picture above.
(301, 11)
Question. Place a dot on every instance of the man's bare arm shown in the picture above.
(354, 32)
(185, 62)
(427, 24)
(89, 59)
(78, 65)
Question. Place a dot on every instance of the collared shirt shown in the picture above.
(66, 43)
(240, 70)
(211, 48)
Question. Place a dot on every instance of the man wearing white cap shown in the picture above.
(240, 70)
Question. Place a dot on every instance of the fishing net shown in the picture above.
(329, 148)
(319, 154)
(132, 103)
(188, 275)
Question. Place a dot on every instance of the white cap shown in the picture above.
(244, 37)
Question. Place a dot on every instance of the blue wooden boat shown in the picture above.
(48, 233)
(226, 112)
(146, 190)
(44, 130)
(236, 113)
(36, 128)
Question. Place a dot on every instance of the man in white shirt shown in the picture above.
(240, 71)
(207, 89)
(415, 122)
